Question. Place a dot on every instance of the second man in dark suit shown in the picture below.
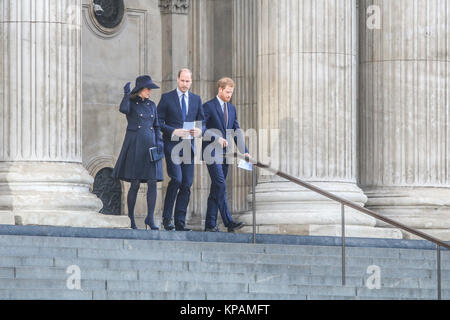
(220, 126)
(175, 108)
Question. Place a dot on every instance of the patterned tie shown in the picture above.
(225, 114)
(183, 107)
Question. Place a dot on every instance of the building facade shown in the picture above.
(352, 96)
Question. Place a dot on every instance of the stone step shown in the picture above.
(321, 260)
(313, 266)
(140, 295)
(59, 275)
(227, 288)
(35, 267)
(8, 261)
(111, 244)
(35, 251)
(60, 242)
(314, 270)
(199, 291)
(53, 284)
(252, 258)
(253, 296)
(43, 256)
(387, 272)
(400, 293)
(45, 294)
(356, 281)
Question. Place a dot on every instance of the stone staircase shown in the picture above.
(44, 263)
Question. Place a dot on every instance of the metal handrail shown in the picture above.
(439, 243)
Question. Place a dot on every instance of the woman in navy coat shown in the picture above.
(143, 132)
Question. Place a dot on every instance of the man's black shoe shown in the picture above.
(212, 229)
(235, 226)
(182, 229)
(168, 225)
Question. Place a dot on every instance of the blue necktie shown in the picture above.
(183, 107)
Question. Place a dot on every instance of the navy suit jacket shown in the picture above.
(214, 119)
(170, 115)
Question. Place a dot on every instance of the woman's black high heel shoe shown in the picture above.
(150, 225)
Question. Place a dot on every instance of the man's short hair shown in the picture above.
(184, 70)
(225, 82)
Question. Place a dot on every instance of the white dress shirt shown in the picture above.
(222, 104)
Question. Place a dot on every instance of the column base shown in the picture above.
(7, 217)
(426, 209)
(54, 194)
(285, 208)
(326, 230)
(72, 219)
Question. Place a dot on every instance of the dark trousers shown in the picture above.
(151, 200)
(217, 200)
(178, 191)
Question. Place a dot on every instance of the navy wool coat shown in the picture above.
(143, 132)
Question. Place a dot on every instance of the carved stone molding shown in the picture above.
(174, 6)
(95, 164)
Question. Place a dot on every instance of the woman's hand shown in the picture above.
(127, 89)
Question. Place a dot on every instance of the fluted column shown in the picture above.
(244, 98)
(404, 119)
(174, 46)
(42, 180)
(201, 62)
(307, 92)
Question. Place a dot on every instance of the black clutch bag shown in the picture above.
(155, 154)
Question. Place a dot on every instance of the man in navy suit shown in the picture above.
(175, 108)
(219, 125)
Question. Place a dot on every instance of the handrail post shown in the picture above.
(343, 242)
(439, 271)
(254, 202)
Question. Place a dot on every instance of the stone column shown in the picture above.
(42, 180)
(404, 117)
(244, 74)
(307, 85)
(221, 44)
(175, 52)
(174, 19)
(201, 62)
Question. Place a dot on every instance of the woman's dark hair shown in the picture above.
(135, 96)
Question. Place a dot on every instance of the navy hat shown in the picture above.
(144, 82)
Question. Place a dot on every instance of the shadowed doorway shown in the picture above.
(109, 190)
